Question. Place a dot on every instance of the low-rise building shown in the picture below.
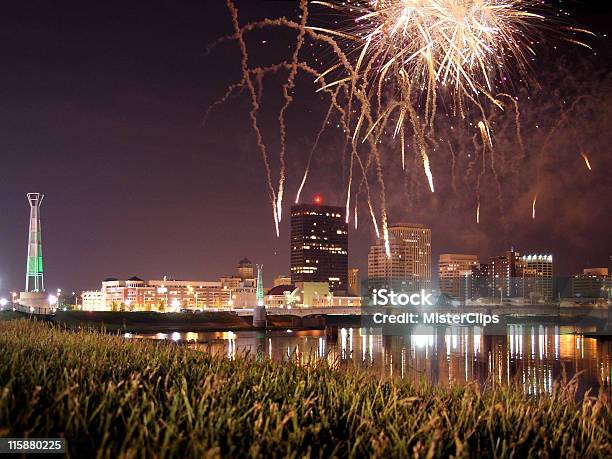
(282, 296)
(282, 280)
(592, 283)
(164, 295)
(93, 300)
(454, 274)
(307, 295)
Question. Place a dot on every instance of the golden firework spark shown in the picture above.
(464, 45)
(586, 160)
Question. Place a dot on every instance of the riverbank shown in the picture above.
(153, 322)
(110, 397)
(135, 322)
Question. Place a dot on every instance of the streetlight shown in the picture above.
(3, 303)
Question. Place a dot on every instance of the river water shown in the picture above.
(533, 356)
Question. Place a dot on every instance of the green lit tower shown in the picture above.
(259, 295)
(259, 311)
(34, 269)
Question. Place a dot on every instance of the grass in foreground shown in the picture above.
(110, 397)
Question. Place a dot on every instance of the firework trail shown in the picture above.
(254, 108)
(228, 93)
(533, 206)
(485, 133)
(403, 147)
(287, 88)
(418, 135)
(365, 184)
(562, 118)
(586, 160)
(314, 146)
(427, 170)
(343, 62)
(517, 125)
(453, 162)
(373, 215)
(259, 76)
(478, 151)
(349, 185)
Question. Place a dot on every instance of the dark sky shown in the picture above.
(102, 106)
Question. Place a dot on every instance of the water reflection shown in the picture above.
(533, 355)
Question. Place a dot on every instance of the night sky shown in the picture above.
(102, 107)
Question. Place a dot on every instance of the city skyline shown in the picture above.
(433, 266)
(136, 185)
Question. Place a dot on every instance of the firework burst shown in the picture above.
(393, 61)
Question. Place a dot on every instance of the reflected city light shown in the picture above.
(450, 356)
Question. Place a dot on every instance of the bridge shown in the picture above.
(304, 312)
(527, 310)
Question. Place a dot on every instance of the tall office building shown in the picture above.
(418, 240)
(319, 245)
(536, 277)
(505, 271)
(409, 266)
(522, 276)
(454, 274)
(481, 284)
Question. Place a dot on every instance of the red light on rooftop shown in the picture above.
(318, 200)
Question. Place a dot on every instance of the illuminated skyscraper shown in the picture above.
(34, 268)
(418, 240)
(319, 245)
(409, 267)
(505, 272)
(394, 272)
(537, 276)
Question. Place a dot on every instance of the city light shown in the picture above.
(52, 300)
(3, 302)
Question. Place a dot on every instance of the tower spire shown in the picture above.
(34, 267)
(259, 295)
